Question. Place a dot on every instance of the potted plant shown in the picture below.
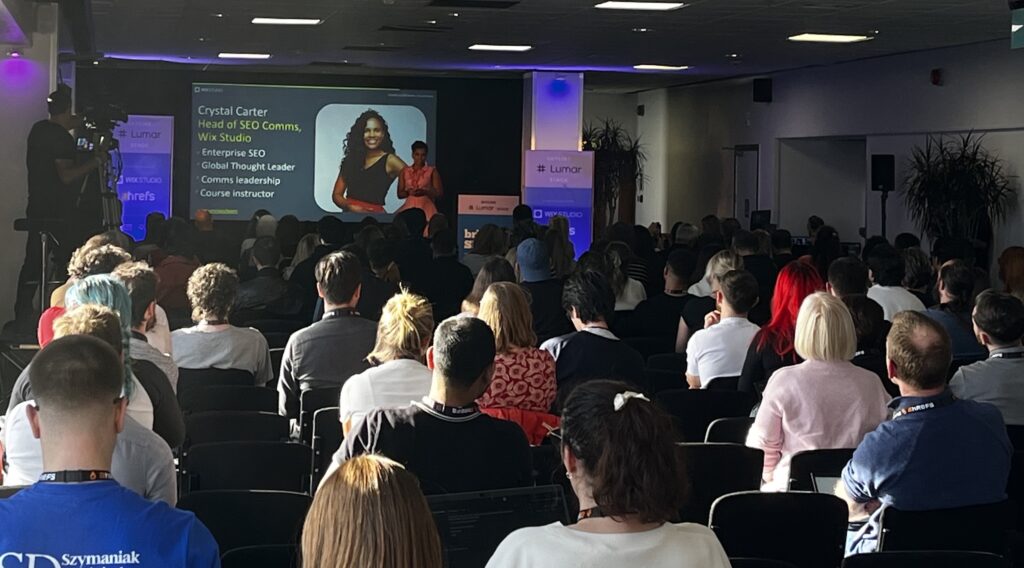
(618, 172)
(955, 188)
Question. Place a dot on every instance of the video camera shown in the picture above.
(98, 124)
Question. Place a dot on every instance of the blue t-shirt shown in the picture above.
(99, 524)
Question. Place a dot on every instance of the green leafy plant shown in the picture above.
(618, 171)
(955, 188)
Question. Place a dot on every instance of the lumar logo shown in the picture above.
(566, 169)
(542, 168)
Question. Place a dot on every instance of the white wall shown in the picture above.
(822, 175)
(24, 85)
(652, 128)
(619, 107)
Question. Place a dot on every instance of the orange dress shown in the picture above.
(418, 179)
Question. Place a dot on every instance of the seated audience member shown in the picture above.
(140, 280)
(451, 281)
(694, 312)
(333, 349)
(262, 224)
(919, 277)
(332, 237)
(730, 225)
(267, 294)
(782, 248)
(397, 376)
(628, 291)
(381, 255)
(710, 233)
(869, 321)
(488, 243)
(1011, 271)
(303, 250)
(412, 253)
(178, 244)
(814, 225)
(827, 248)
(887, 271)
(937, 452)
(772, 348)
(78, 506)
(213, 343)
(545, 291)
(702, 274)
(659, 315)
(998, 380)
(847, 276)
(619, 453)
(685, 235)
(496, 269)
(719, 348)
(150, 246)
(212, 246)
(825, 402)
(592, 351)
(370, 512)
(905, 241)
(869, 245)
(559, 247)
(524, 386)
(374, 291)
(956, 302)
(762, 268)
(434, 437)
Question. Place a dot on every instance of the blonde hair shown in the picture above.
(824, 329)
(724, 262)
(370, 512)
(505, 308)
(404, 330)
(94, 320)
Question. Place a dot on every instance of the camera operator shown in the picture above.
(53, 180)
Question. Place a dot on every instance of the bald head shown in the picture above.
(204, 220)
(918, 350)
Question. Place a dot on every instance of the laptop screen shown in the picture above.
(472, 525)
(825, 484)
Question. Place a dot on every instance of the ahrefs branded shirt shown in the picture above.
(99, 524)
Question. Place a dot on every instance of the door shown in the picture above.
(746, 174)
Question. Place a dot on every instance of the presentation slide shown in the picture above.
(305, 151)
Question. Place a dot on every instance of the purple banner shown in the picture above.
(147, 150)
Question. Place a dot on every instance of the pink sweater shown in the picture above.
(811, 406)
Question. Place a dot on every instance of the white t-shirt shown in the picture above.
(894, 299)
(160, 335)
(394, 384)
(632, 294)
(719, 350)
(668, 546)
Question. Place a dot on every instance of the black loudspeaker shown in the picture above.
(762, 90)
(883, 172)
(640, 109)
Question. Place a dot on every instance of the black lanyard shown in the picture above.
(452, 411)
(340, 312)
(924, 406)
(1011, 355)
(75, 476)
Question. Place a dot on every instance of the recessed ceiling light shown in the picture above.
(218, 15)
(287, 21)
(830, 38)
(430, 22)
(650, 6)
(642, 30)
(453, 14)
(1016, 28)
(243, 55)
(732, 55)
(649, 67)
(489, 47)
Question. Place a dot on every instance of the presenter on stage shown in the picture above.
(420, 184)
(369, 166)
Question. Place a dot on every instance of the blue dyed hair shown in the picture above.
(105, 290)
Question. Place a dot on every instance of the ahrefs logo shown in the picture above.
(28, 560)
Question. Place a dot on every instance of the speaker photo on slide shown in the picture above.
(360, 152)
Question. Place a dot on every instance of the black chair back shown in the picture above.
(652, 345)
(724, 384)
(189, 379)
(11, 490)
(309, 402)
(327, 438)
(548, 470)
(806, 465)
(1016, 435)
(694, 410)
(925, 559)
(212, 427)
(728, 430)
(976, 528)
(715, 470)
(276, 356)
(658, 380)
(277, 466)
(1015, 486)
(675, 362)
(267, 556)
(233, 398)
(805, 529)
(249, 518)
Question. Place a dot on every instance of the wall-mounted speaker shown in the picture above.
(883, 172)
(762, 90)
(640, 110)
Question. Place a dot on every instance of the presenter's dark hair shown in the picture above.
(355, 149)
(464, 350)
(591, 294)
(629, 455)
(338, 275)
(420, 145)
(1001, 316)
(75, 372)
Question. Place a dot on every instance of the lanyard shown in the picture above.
(340, 312)
(452, 411)
(75, 476)
(925, 406)
(1012, 355)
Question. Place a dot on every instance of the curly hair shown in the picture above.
(354, 148)
(212, 289)
(89, 260)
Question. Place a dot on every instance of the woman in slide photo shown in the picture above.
(369, 166)
(419, 184)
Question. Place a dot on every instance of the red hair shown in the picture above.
(796, 281)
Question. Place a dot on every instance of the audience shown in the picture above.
(702, 274)
(413, 255)
(886, 272)
(545, 291)
(919, 276)
(451, 281)
(496, 269)
(814, 224)
(303, 250)
(155, 221)
(693, 314)
(434, 437)
(762, 268)
(905, 241)
(824, 402)
(1011, 271)
(488, 243)
(375, 291)
(560, 248)
(524, 387)
(956, 301)
(847, 276)
(619, 453)
(719, 348)
(782, 248)
(730, 225)
(178, 262)
(303, 275)
(827, 248)
(710, 232)
(370, 512)
(628, 290)
(773, 347)
(331, 350)
(686, 235)
(211, 245)
(659, 315)
(267, 295)
(140, 280)
(937, 452)
(77, 506)
(397, 376)
(869, 321)
(999, 326)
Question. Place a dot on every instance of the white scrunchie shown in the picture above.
(623, 397)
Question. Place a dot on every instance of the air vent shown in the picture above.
(379, 48)
(416, 29)
(475, 4)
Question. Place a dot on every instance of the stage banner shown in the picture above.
(561, 182)
(475, 211)
(147, 151)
